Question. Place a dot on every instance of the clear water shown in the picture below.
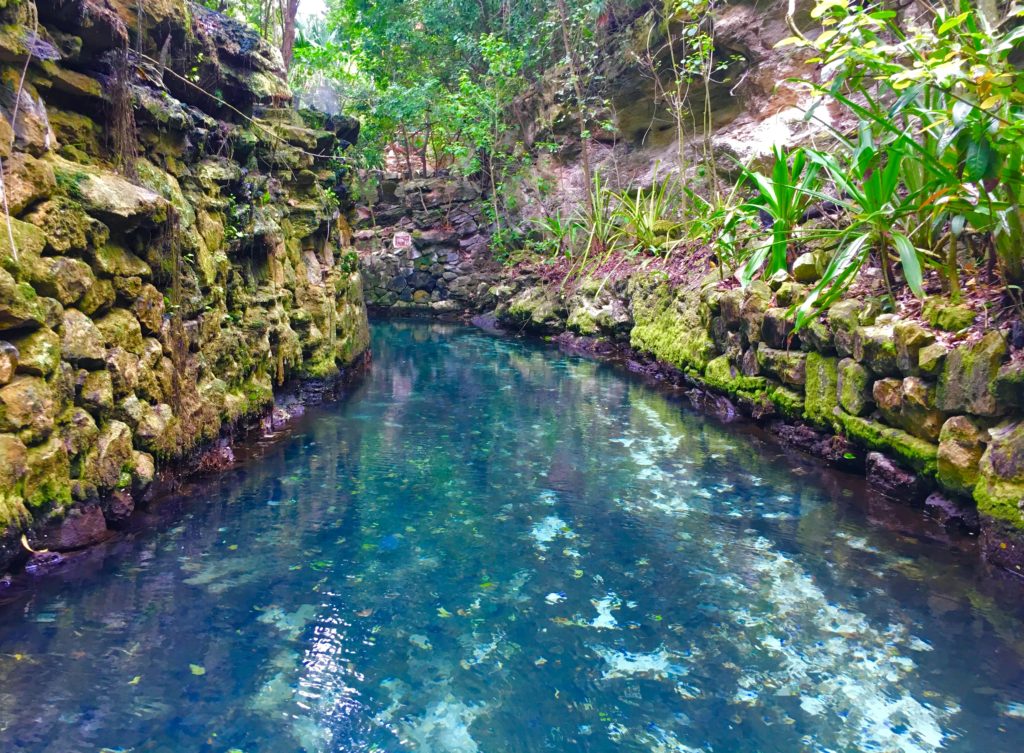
(494, 547)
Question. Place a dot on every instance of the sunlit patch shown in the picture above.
(657, 665)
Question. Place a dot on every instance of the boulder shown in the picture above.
(894, 481)
(80, 528)
(112, 199)
(110, 457)
(961, 445)
(27, 406)
(13, 467)
(843, 319)
(115, 261)
(78, 431)
(26, 181)
(149, 309)
(81, 340)
(96, 394)
(910, 338)
(967, 379)
(38, 352)
(19, 304)
(948, 316)
(98, 298)
(788, 366)
(806, 268)
(999, 490)
(931, 359)
(854, 388)
(66, 226)
(120, 329)
(62, 278)
(875, 347)
(909, 404)
(47, 484)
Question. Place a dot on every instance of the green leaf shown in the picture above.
(952, 23)
(197, 670)
(910, 261)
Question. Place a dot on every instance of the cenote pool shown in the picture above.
(494, 547)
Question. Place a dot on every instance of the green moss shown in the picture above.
(667, 324)
(821, 389)
(917, 453)
(789, 403)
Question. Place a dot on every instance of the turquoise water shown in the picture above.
(494, 547)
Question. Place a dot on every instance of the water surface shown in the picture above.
(494, 547)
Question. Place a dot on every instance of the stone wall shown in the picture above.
(934, 404)
(174, 260)
(425, 248)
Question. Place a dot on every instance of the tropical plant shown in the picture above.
(648, 219)
(783, 196)
(877, 208)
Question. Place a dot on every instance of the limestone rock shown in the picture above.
(38, 352)
(821, 389)
(115, 261)
(26, 180)
(789, 367)
(80, 528)
(854, 388)
(120, 329)
(777, 329)
(948, 316)
(149, 309)
(97, 392)
(81, 340)
(66, 226)
(909, 404)
(931, 359)
(110, 198)
(885, 475)
(111, 455)
(966, 381)
(910, 338)
(61, 277)
(19, 304)
(27, 406)
(961, 445)
(875, 347)
(806, 268)
(47, 484)
(999, 490)
(98, 298)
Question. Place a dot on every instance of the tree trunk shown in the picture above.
(291, 8)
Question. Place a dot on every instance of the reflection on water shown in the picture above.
(491, 547)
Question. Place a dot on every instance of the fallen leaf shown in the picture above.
(197, 670)
(135, 680)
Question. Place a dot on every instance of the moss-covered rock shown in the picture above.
(999, 490)
(875, 347)
(98, 298)
(27, 407)
(538, 309)
(967, 379)
(62, 278)
(843, 318)
(97, 393)
(821, 389)
(111, 455)
(961, 445)
(13, 467)
(112, 199)
(931, 359)
(788, 366)
(8, 362)
(115, 261)
(81, 341)
(66, 227)
(914, 452)
(19, 304)
(667, 324)
(47, 483)
(948, 316)
(120, 329)
(909, 404)
(777, 329)
(910, 338)
(26, 181)
(38, 352)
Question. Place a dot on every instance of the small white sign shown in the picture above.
(402, 240)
